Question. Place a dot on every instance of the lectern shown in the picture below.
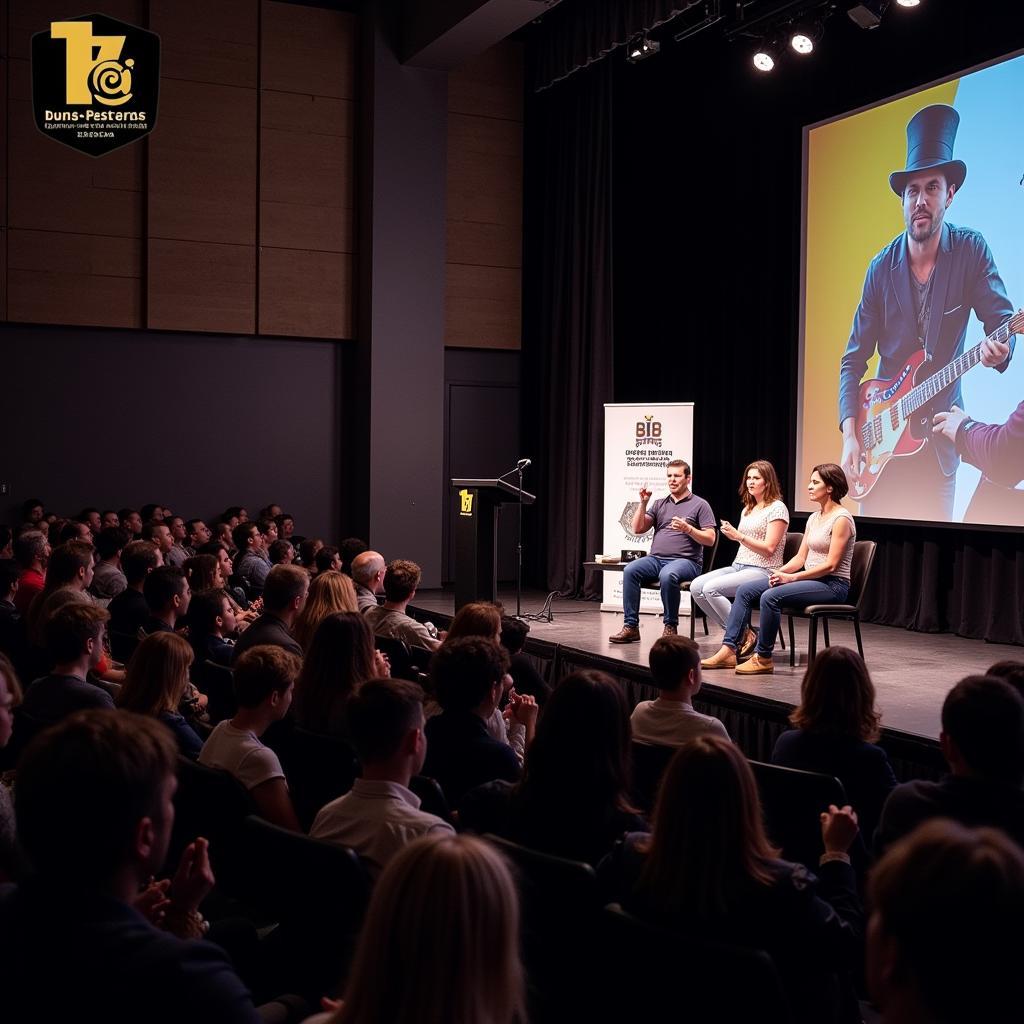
(476, 535)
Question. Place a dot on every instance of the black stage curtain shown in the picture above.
(567, 350)
(703, 236)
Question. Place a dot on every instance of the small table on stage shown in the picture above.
(476, 532)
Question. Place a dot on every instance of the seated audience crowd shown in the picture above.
(178, 700)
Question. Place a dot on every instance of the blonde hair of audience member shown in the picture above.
(441, 940)
(329, 592)
(157, 675)
(708, 840)
(479, 618)
(837, 697)
(339, 660)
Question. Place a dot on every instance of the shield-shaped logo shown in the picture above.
(95, 82)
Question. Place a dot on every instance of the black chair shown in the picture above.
(860, 570)
(649, 763)
(316, 893)
(561, 909)
(647, 969)
(217, 682)
(432, 798)
(319, 768)
(211, 803)
(398, 655)
(792, 800)
(122, 645)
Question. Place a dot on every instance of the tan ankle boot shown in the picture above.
(757, 666)
(725, 658)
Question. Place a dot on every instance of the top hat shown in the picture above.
(930, 137)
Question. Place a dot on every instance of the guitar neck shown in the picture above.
(924, 392)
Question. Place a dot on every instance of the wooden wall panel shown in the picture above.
(28, 17)
(201, 286)
(307, 50)
(485, 201)
(200, 41)
(305, 293)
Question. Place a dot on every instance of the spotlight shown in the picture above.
(640, 47)
(868, 13)
(908, 3)
(765, 56)
(802, 42)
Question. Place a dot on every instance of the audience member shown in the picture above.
(308, 549)
(708, 870)
(525, 677)
(391, 619)
(71, 529)
(380, 814)
(268, 531)
(178, 553)
(284, 597)
(327, 559)
(368, 569)
(12, 628)
(167, 596)
(444, 918)
(348, 550)
(94, 817)
(197, 533)
(153, 513)
(329, 592)
(32, 511)
(264, 680)
(281, 552)
(982, 739)
(573, 800)
(10, 698)
(70, 570)
(159, 533)
(285, 526)
(670, 719)
(467, 677)
(157, 683)
(6, 542)
(837, 730)
(1010, 670)
(251, 564)
(110, 518)
(91, 518)
(211, 620)
(211, 569)
(129, 611)
(107, 579)
(31, 552)
(944, 938)
(340, 658)
(132, 522)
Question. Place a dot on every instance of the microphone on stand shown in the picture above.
(523, 463)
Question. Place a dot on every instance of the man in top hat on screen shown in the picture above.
(918, 293)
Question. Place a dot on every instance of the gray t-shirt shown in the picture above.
(669, 543)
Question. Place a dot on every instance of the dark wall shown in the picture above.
(199, 422)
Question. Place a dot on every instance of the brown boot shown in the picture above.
(626, 635)
(757, 666)
(725, 658)
(670, 630)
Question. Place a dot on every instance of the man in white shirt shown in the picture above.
(670, 720)
(380, 815)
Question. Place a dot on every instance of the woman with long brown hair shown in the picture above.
(836, 731)
(761, 535)
(709, 871)
(329, 592)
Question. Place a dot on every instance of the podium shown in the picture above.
(476, 534)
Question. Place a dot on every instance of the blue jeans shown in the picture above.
(712, 591)
(828, 590)
(669, 572)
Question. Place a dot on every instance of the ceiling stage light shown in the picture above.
(640, 47)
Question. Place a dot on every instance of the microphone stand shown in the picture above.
(518, 470)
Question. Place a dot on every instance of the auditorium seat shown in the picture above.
(649, 763)
(217, 682)
(647, 970)
(319, 768)
(860, 572)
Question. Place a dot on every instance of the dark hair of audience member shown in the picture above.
(124, 513)
(324, 559)
(947, 905)
(201, 572)
(263, 670)
(338, 661)
(513, 634)
(464, 671)
(241, 535)
(329, 592)
(9, 574)
(444, 917)
(671, 660)
(83, 787)
(137, 559)
(111, 540)
(1011, 671)
(203, 610)
(28, 507)
(837, 697)
(73, 530)
(707, 842)
(284, 584)
(281, 552)
(478, 618)
(64, 566)
(70, 627)
(380, 715)
(151, 512)
(579, 760)
(983, 717)
(348, 549)
(281, 519)
(162, 585)
(308, 550)
(401, 578)
(157, 675)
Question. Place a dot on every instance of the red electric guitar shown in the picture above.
(894, 416)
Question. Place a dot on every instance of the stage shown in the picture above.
(912, 672)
